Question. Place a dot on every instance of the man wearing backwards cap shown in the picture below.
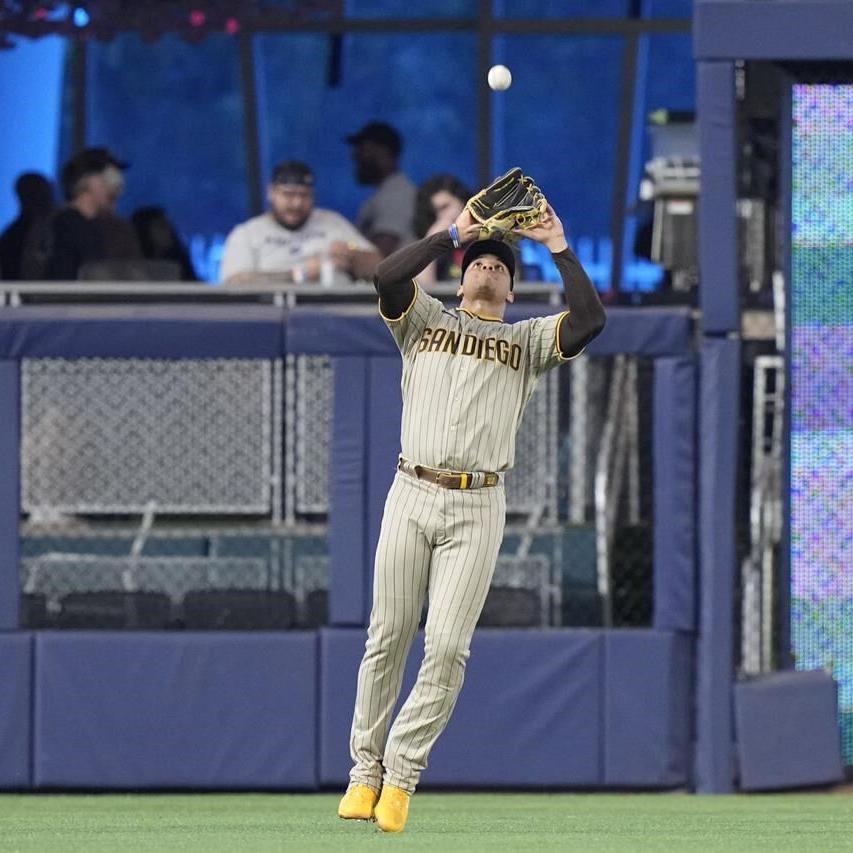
(295, 241)
(467, 377)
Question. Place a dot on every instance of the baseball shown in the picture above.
(499, 77)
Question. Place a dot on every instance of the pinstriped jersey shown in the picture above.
(466, 381)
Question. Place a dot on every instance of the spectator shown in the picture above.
(160, 241)
(295, 241)
(74, 237)
(386, 217)
(36, 203)
(439, 202)
(118, 236)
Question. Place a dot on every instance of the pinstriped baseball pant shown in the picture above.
(443, 543)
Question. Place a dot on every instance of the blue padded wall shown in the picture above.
(529, 713)
(631, 331)
(674, 455)
(787, 731)
(385, 410)
(142, 331)
(648, 708)
(349, 452)
(718, 263)
(15, 709)
(796, 29)
(719, 411)
(216, 710)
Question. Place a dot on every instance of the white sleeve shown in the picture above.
(237, 255)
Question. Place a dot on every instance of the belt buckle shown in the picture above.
(444, 479)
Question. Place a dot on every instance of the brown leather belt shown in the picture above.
(449, 479)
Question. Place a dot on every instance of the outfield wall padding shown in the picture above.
(719, 412)
(788, 733)
(15, 709)
(648, 708)
(142, 331)
(169, 710)
(538, 709)
(675, 464)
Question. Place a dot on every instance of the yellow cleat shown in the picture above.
(358, 802)
(392, 809)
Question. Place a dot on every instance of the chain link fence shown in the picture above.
(195, 494)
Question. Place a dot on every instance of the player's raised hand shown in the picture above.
(468, 227)
(549, 231)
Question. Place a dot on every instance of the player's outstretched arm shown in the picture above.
(394, 275)
(586, 317)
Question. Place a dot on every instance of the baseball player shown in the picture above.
(467, 377)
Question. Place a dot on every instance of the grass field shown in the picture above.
(439, 822)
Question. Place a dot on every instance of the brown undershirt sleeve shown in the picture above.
(586, 316)
(393, 279)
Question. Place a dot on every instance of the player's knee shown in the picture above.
(389, 634)
(448, 648)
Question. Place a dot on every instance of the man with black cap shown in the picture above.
(73, 236)
(467, 377)
(386, 218)
(295, 241)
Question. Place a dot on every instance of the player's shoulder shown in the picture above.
(533, 328)
(537, 320)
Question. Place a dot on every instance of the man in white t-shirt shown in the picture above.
(386, 218)
(295, 241)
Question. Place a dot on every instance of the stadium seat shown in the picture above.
(115, 610)
(632, 576)
(239, 610)
(581, 607)
(511, 607)
(34, 613)
(316, 612)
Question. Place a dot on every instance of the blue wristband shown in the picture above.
(454, 235)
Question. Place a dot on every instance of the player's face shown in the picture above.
(488, 280)
(291, 204)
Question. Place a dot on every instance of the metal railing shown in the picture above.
(14, 294)
(758, 571)
(618, 456)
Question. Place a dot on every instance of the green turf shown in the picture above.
(438, 822)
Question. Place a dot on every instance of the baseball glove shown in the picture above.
(509, 202)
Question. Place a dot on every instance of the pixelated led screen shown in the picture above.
(821, 393)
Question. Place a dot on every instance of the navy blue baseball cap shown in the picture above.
(293, 172)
